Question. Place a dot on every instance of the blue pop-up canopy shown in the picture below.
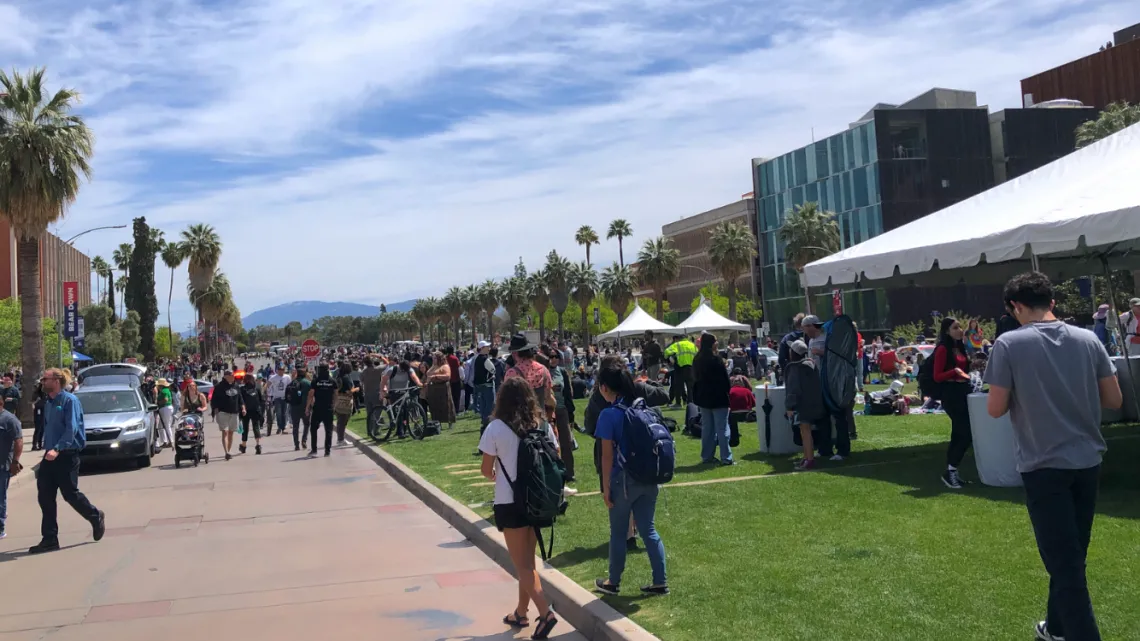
(76, 356)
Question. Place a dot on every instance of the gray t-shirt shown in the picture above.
(1052, 370)
(815, 348)
(10, 432)
(370, 379)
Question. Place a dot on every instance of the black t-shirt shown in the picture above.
(324, 390)
(11, 396)
(344, 383)
(252, 399)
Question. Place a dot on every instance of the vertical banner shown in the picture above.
(79, 334)
(70, 308)
(837, 302)
(597, 316)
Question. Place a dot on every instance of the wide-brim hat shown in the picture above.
(519, 342)
(162, 382)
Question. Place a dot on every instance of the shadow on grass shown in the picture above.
(580, 555)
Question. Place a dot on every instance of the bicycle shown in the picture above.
(405, 410)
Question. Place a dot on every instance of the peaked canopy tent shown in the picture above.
(707, 320)
(1076, 216)
(76, 356)
(638, 322)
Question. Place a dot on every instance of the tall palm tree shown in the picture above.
(1116, 116)
(585, 282)
(556, 274)
(171, 257)
(433, 312)
(211, 304)
(808, 234)
(472, 307)
(109, 274)
(731, 250)
(659, 263)
(98, 266)
(453, 308)
(617, 285)
(122, 258)
(515, 295)
(44, 154)
(202, 248)
(121, 286)
(540, 298)
(422, 314)
(620, 229)
(586, 236)
(489, 300)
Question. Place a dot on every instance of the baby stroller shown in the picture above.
(189, 441)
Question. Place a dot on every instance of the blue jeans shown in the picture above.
(629, 496)
(485, 402)
(714, 430)
(4, 477)
(280, 410)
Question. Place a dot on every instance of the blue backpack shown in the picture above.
(652, 453)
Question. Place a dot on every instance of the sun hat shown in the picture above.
(520, 342)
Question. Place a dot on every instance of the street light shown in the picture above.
(59, 279)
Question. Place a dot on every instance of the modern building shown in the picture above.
(1099, 79)
(59, 262)
(894, 165)
(1025, 139)
(691, 237)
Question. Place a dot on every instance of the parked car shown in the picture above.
(119, 423)
(117, 372)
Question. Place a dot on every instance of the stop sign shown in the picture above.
(311, 349)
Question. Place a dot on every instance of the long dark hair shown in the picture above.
(517, 406)
(948, 341)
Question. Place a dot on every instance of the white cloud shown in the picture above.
(545, 116)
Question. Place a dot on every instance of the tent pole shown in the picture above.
(1033, 261)
(1119, 333)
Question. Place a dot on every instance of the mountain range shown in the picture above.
(306, 311)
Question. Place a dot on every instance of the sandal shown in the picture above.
(544, 626)
(516, 621)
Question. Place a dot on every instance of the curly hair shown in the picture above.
(517, 406)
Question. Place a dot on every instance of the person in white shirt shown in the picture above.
(277, 384)
(517, 411)
(1129, 320)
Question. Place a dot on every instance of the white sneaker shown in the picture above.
(569, 491)
(1043, 633)
(837, 458)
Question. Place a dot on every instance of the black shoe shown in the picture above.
(257, 449)
(854, 436)
(228, 457)
(605, 587)
(950, 479)
(656, 590)
(631, 543)
(296, 448)
(328, 453)
(44, 546)
(99, 526)
(241, 448)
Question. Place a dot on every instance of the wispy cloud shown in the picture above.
(384, 150)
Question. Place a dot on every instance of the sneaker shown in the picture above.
(44, 546)
(631, 544)
(342, 443)
(1043, 633)
(569, 491)
(605, 587)
(257, 449)
(837, 458)
(228, 457)
(950, 479)
(655, 590)
(312, 454)
(3, 534)
(727, 463)
(241, 448)
(99, 526)
(328, 453)
(296, 448)
(805, 464)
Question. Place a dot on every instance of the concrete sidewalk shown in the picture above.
(275, 547)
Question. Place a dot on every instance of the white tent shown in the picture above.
(638, 322)
(1079, 215)
(706, 320)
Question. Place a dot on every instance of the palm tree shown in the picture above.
(98, 266)
(731, 250)
(489, 300)
(122, 258)
(453, 308)
(620, 229)
(586, 236)
(422, 314)
(659, 263)
(211, 304)
(585, 282)
(1115, 117)
(617, 285)
(556, 274)
(44, 154)
(515, 295)
(540, 298)
(121, 286)
(203, 249)
(808, 234)
(109, 274)
(472, 307)
(171, 257)
(433, 312)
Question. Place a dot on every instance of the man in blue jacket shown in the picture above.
(64, 439)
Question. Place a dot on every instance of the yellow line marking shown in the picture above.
(483, 484)
(458, 465)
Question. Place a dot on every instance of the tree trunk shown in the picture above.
(587, 253)
(585, 329)
(111, 295)
(621, 252)
(490, 325)
(542, 328)
(561, 335)
(31, 322)
(660, 296)
(474, 332)
(807, 299)
(732, 308)
(169, 320)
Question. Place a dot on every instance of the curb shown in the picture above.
(591, 616)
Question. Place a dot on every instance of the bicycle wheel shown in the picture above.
(417, 421)
(377, 423)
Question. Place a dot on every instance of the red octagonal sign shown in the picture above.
(310, 349)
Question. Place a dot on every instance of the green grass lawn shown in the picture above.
(873, 548)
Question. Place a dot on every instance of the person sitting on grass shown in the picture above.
(803, 398)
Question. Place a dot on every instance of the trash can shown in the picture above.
(993, 445)
(772, 425)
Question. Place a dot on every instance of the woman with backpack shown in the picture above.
(517, 412)
(710, 393)
(951, 377)
(623, 494)
(803, 399)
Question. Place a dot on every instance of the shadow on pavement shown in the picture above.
(12, 556)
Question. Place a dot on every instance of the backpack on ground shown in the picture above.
(293, 393)
(875, 406)
(692, 420)
(652, 452)
(537, 486)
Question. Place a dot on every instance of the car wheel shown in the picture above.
(144, 460)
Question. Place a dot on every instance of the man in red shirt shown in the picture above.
(456, 386)
(888, 361)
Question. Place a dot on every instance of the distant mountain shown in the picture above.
(306, 311)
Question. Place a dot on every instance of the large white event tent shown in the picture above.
(637, 324)
(707, 320)
(1076, 216)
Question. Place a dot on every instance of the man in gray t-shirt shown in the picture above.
(1053, 379)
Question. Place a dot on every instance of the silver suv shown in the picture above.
(118, 421)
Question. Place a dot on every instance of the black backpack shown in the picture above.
(538, 484)
(293, 393)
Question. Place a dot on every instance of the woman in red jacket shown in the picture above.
(950, 373)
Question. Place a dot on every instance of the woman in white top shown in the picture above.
(516, 412)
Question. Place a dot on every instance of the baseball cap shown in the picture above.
(811, 319)
(799, 346)
(1134, 302)
(483, 344)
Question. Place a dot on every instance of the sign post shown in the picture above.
(311, 350)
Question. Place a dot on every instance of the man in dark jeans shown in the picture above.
(1053, 379)
(64, 439)
(322, 393)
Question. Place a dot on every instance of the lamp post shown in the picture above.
(59, 279)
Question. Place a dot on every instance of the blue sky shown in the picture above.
(380, 151)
